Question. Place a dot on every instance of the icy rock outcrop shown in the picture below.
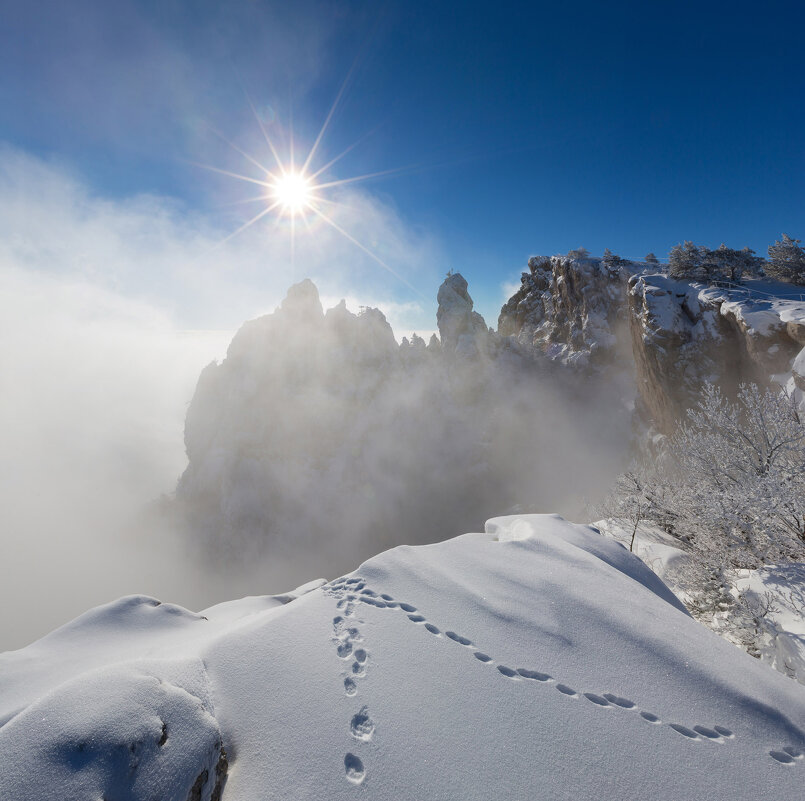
(685, 334)
(664, 338)
(573, 310)
(460, 328)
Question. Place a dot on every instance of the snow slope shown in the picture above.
(536, 660)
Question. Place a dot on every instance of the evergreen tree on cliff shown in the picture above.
(787, 261)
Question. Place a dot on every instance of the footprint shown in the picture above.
(407, 607)
(533, 674)
(457, 638)
(337, 621)
(797, 753)
(358, 669)
(724, 732)
(344, 649)
(360, 655)
(781, 756)
(368, 599)
(482, 657)
(350, 688)
(370, 593)
(684, 731)
(507, 671)
(416, 618)
(650, 717)
(709, 733)
(354, 769)
(386, 597)
(355, 580)
(361, 726)
(391, 604)
(597, 699)
(431, 628)
(623, 703)
(563, 688)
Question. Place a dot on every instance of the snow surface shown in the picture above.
(536, 660)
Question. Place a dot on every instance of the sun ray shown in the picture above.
(265, 133)
(242, 202)
(231, 174)
(242, 152)
(312, 154)
(343, 153)
(365, 177)
(365, 249)
(245, 225)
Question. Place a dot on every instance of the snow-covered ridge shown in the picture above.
(509, 662)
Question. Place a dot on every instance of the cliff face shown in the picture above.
(684, 335)
(572, 310)
(673, 336)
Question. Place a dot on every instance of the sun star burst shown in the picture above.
(292, 192)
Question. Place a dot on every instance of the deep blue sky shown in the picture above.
(535, 127)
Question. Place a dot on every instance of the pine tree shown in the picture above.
(787, 261)
(651, 259)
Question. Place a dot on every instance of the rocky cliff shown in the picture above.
(320, 434)
(673, 335)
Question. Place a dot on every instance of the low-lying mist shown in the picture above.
(319, 441)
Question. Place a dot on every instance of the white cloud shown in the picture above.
(97, 297)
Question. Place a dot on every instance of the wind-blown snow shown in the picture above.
(536, 660)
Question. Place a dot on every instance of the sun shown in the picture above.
(294, 192)
(298, 192)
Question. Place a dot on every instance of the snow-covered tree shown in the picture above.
(729, 485)
(698, 263)
(611, 260)
(651, 259)
(787, 261)
(578, 253)
(685, 262)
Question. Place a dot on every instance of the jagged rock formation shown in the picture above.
(673, 336)
(570, 309)
(319, 423)
(685, 334)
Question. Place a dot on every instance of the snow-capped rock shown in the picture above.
(538, 660)
(571, 309)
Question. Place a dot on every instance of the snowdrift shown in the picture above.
(536, 660)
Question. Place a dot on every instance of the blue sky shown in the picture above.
(524, 128)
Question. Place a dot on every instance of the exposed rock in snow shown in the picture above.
(573, 310)
(685, 334)
(460, 328)
(540, 660)
(675, 334)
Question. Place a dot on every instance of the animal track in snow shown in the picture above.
(597, 699)
(534, 674)
(354, 769)
(346, 591)
(361, 726)
(789, 755)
